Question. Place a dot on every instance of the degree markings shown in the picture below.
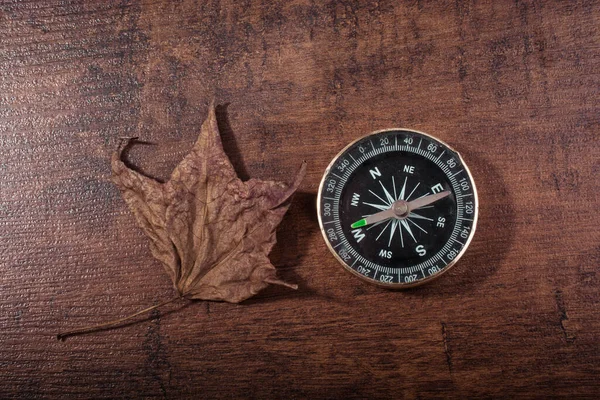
(457, 173)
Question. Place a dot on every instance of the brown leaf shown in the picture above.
(210, 230)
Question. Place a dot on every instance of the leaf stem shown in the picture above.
(93, 328)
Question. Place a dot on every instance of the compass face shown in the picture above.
(397, 207)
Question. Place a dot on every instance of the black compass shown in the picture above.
(397, 207)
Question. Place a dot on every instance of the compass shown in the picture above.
(397, 207)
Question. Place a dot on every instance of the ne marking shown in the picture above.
(329, 198)
(462, 244)
(337, 245)
(337, 176)
(441, 155)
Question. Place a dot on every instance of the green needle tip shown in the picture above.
(358, 224)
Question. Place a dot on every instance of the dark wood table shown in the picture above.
(513, 85)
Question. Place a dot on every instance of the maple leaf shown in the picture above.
(211, 231)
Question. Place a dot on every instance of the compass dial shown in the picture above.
(397, 207)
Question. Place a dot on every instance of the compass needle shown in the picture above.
(397, 235)
(426, 200)
(374, 225)
(359, 223)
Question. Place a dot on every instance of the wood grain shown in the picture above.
(512, 85)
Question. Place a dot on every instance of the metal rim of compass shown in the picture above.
(399, 285)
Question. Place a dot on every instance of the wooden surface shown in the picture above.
(512, 85)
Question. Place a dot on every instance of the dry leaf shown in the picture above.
(212, 232)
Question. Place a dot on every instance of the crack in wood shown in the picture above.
(564, 318)
(157, 362)
(446, 347)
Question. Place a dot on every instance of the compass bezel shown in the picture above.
(421, 281)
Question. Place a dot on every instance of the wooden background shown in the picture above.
(513, 85)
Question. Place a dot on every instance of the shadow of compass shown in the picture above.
(493, 237)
